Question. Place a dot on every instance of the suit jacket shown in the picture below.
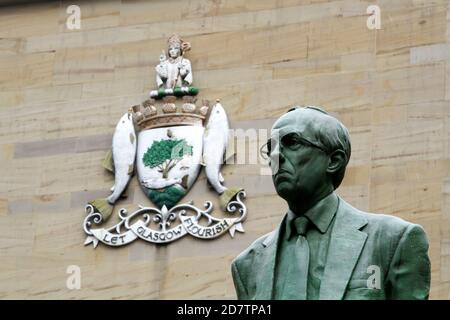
(361, 245)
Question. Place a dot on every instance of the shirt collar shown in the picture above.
(321, 214)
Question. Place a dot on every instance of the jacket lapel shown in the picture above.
(266, 258)
(345, 247)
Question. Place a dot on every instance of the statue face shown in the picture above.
(299, 165)
(174, 51)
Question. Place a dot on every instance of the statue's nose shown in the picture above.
(277, 151)
(276, 158)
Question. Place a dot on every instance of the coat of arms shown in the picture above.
(166, 140)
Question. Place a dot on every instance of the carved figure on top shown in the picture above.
(174, 71)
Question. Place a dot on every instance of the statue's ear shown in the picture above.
(338, 159)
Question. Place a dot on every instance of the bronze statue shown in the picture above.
(324, 248)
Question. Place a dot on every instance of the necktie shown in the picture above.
(298, 287)
(301, 224)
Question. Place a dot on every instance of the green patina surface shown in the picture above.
(350, 254)
(192, 91)
(167, 196)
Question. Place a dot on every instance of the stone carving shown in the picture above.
(171, 142)
(175, 70)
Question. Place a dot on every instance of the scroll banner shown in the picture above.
(188, 225)
(112, 239)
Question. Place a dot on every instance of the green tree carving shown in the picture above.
(165, 154)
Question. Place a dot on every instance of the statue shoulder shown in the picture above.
(250, 252)
(381, 225)
(389, 223)
(385, 225)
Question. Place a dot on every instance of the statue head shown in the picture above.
(176, 46)
(308, 152)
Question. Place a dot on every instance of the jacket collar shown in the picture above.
(346, 241)
(320, 214)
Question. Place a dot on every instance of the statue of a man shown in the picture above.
(176, 70)
(324, 248)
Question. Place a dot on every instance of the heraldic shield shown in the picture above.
(168, 162)
(166, 140)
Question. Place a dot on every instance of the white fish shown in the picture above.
(123, 154)
(215, 141)
(159, 183)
